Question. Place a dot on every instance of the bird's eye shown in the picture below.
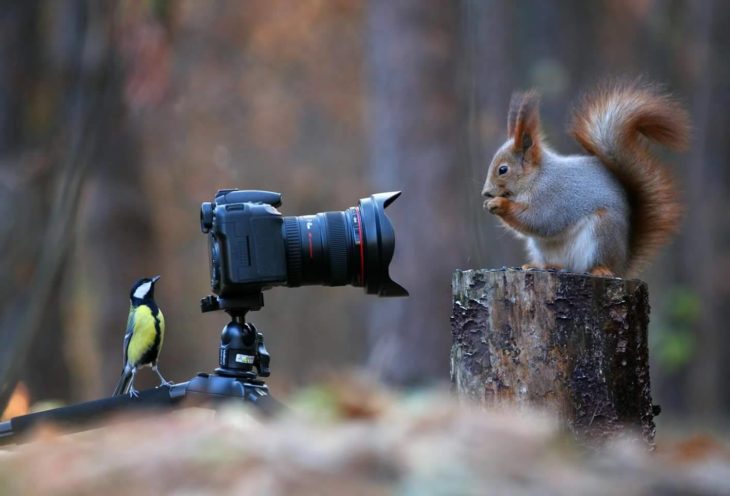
(502, 170)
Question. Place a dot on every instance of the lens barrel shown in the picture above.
(353, 247)
(320, 249)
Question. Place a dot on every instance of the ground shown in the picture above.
(349, 437)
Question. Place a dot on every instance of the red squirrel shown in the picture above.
(605, 213)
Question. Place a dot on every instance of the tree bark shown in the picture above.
(572, 344)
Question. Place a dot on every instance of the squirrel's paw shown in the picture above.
(601, 271)
(537, 266)
(553, 267)
(498, 205)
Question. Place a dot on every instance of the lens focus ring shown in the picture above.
(337, 236)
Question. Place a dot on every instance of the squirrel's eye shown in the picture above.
(502, 170)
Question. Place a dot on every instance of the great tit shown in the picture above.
(144, 335)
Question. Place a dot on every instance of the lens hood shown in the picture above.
(378, 239)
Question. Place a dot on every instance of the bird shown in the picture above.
(143, 337)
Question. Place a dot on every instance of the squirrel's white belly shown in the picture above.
(575, 250)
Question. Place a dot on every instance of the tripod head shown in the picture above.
(242, 347)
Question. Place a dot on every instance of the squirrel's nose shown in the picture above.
(487, 194)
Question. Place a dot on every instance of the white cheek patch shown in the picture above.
(142, 291)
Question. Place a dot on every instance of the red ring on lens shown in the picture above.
(362, 247)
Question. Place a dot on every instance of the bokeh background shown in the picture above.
(117, 119)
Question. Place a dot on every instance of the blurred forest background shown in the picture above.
(117, 119)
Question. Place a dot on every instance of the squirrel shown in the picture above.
(605, 213)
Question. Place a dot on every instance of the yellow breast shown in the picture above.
(149, 331)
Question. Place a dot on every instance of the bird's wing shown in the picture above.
(161, 325)
(128, 333)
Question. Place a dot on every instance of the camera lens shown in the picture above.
(354, 247)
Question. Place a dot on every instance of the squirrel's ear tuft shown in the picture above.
(526, 126)
(514, 108)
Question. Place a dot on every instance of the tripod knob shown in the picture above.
(209, 304)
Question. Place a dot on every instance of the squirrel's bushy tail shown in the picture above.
(616, 123)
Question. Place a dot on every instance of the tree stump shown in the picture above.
(572, 344)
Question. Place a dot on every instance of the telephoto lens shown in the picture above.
(353, 247)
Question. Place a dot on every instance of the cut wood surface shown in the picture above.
(572, 344)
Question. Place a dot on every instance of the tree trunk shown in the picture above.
(67, 80)
(572, 344)
(705, 378)
(418, 146)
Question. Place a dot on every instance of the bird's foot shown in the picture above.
(165, 383)
(133, 393)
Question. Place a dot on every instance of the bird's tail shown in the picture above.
(125, 380)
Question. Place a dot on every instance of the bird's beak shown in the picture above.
(155, 279)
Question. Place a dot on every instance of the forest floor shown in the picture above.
(349, 437)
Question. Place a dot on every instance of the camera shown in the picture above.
(253, 247)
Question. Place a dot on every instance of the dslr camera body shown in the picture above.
(246, 252)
